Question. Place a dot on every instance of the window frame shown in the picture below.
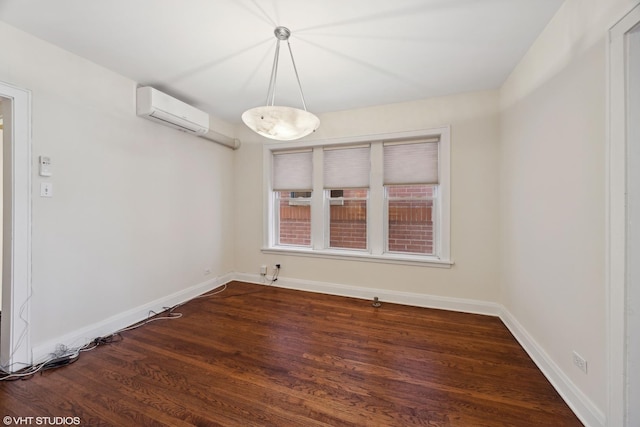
(376, 211)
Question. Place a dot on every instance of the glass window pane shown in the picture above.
(411, 219)
(348, 219)
(294, 216)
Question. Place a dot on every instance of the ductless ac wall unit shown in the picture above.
(169, 111)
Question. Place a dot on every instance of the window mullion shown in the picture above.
(317, 202)
(376, 223)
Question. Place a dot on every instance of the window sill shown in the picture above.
(389, 258)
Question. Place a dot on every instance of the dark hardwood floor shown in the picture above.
(264, 356)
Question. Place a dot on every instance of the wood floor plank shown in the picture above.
(256, 355)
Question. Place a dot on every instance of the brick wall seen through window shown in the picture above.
(410, 218)
(348, 219)
(295, 218)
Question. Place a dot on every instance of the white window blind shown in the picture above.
(346, 167)
(293, 171)
(411, 163)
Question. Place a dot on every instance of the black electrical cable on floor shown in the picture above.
(274, 278)
(69, 356)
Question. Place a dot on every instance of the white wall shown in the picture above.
(474, 141)
(139, 210)
(552, 175)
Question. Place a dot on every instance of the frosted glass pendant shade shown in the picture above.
(275, 122)
(280, 123)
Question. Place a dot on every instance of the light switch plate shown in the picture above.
(46, 189)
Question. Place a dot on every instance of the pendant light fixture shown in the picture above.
(277, 122)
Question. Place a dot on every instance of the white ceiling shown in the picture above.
(217, 54)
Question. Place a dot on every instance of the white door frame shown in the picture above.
(618, 407)
(15, 348)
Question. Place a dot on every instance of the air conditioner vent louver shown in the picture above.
(162, 108)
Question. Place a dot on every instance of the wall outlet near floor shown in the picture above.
(580, 362)
(263, 270)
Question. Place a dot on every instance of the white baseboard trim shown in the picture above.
(582, 406)
(114, 323)
(406, 298)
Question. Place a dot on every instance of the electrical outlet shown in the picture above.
(263, 270)
(580, 362)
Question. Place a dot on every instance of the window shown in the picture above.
(292, 184)
(346, 173)
(411, 185)
(304, 197)
(382, 198)
(300, 194)
(300, 198)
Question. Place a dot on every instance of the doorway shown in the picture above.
(624, 222)
(15, 334)
(1, 209)
(1, 239)
(633, 226)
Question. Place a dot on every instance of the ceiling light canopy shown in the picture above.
(277, 122)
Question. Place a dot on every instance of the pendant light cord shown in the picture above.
(295, 69)
(271, 93)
